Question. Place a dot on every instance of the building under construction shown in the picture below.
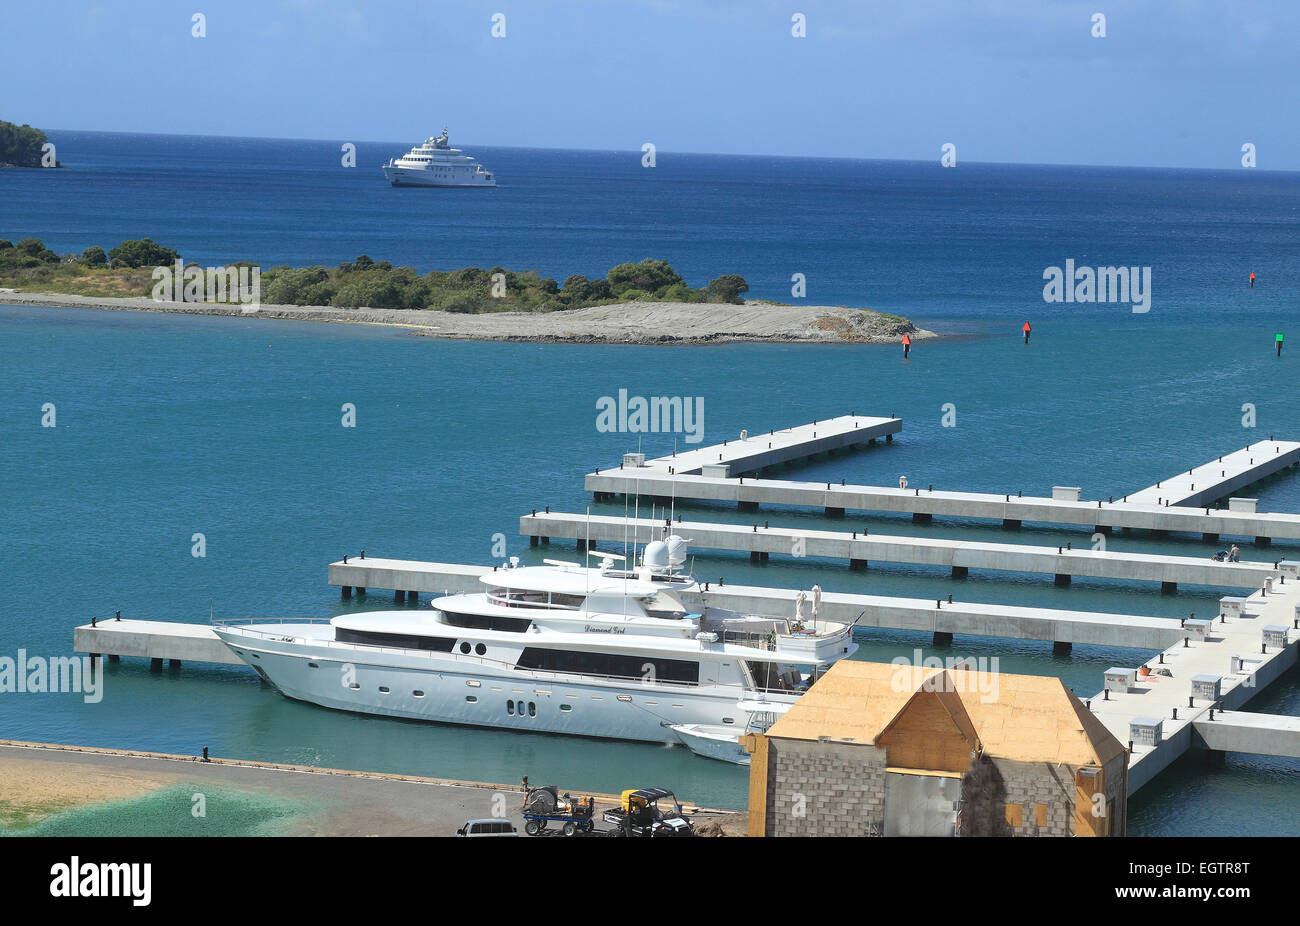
(875, 749)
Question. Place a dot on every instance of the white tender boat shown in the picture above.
(558, 648)
(436, 163)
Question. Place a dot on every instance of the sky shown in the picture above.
(1173, 83)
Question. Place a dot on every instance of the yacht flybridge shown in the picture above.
(602, 651)
(435, 163)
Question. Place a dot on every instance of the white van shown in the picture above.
(488, 828)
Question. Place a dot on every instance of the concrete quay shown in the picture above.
(859, 548)
(941, 618)
(1217, 479)
(1220, 666)
(753, 452)
(154, 640)
(1241, 731)
(1145, 510)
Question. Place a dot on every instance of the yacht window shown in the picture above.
(383, 689)
(418, 693)
(663, 604)
(484, 622)
(480, 649)
(400, 640)
(471, 699)
(510, 707)
(566, 707)
(616, 665)
(464, 647)
(532, 709)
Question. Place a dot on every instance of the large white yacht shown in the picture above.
(560, 648)
(436, 163)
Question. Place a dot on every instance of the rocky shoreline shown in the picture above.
(677, 323)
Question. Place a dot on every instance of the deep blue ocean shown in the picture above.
(167, 425)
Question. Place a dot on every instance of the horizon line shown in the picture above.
(720, 154)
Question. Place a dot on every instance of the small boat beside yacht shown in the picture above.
(604, 651)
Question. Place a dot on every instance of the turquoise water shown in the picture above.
(171, 812)
(167, 426)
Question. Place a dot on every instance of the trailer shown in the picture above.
(546, 806)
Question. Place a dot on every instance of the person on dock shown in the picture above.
(907, 346)
(1234, 555)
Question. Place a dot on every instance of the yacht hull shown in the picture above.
(404, 176)
(450, 688)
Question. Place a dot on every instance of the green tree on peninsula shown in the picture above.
(20, 145)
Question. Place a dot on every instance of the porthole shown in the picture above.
(480, 649)
(464, 647)
(313, 665)
(383, 689)
(728, 720)
(471, 699)
(355, 687)
(566, 707)
(418, 693)
(532, 709)
(510, 707)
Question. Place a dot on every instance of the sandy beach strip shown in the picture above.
(621, 323)
(45, 778)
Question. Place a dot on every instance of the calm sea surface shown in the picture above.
(168, 426)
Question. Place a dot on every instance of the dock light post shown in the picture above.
(1189, 701)
(205, 754)
(1175, 713)
(363, 554)
(92, 621)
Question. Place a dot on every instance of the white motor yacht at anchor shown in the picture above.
(435, 163)
(559, 648)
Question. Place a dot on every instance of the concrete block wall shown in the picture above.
(1032, 783)
(842, 788)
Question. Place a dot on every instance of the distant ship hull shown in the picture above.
(407, 176)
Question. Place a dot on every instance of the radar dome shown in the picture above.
(676, 550)
(655, 555)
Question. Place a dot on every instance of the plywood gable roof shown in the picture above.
(1026, 718)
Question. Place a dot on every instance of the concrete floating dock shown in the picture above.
(1220, 666)
(924, 503)
(1241, 731)
(860, 548)
(154, 640)
(1062, 628)
(1217, 479)
(757, 451)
